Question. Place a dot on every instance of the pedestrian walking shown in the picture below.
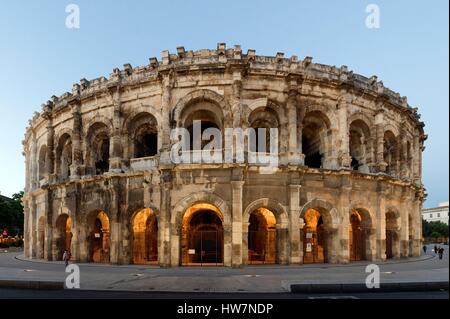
(424, 249)
(435, 249)
(441, 252)
(66, 257)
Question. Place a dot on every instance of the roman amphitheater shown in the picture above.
(101, 182)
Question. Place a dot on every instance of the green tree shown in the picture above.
(11, 214)
(434, 229)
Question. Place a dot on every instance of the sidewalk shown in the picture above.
(420, 271)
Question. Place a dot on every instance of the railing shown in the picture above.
(144, 163)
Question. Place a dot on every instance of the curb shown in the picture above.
(32, 284)
(386, 287)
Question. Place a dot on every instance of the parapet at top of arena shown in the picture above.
(223, 58)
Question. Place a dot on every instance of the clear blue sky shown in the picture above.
(40, 57)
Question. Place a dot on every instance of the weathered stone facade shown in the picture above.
(350, 157)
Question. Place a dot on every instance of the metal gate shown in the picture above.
(205, 248)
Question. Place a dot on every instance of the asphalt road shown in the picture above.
(85, 294)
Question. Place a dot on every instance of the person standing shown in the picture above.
(66, 257)
(441, 252)
(424, 249)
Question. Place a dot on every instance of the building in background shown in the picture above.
(436, 214)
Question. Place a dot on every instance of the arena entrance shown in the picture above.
(99, 238)
(356, 238)
(314, 238)
(262, 237)
(63, 235)
(145, 237)
(202, 241)
(391, 235)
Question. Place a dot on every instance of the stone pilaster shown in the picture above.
(294, 217)
(168, 122)
(77, 152)
(343, 241)
(379, 124)
(381, 222)
(116, 151)
(236, 237)
(293, 154)
(343, 133)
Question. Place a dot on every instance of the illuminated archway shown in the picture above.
(360, 235)
(145, 237)
(63, 235)
(262, 237)
(99, 237)
(202, 238)
(314, 237)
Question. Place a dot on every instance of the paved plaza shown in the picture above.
(250, 279)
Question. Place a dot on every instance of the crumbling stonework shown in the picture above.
(100, 182)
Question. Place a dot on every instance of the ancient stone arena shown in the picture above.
(101, 180)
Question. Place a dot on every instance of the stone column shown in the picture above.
(381, 223)
(168, 122)
(301, 225)
(236, 237)
(116, 153)
(77, 153)
(245, 225)
(293, 154)
(404, 229)
(75, 249)
(294, 217)
(343, 241)
(26, 229)
(50, 252)
(379, 124)
(282, 244)
(343, 133)
(333, 243)
(33, 162)
(33, 229)
(115, 225)
(169, 248)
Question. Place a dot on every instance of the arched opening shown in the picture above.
(314, 238)
(359, 146)
(262, 120)
(360, 232)
(314, 139)
(144, 134)
(390, 152)
(262, 237)
(206, 120)
(63, 235)
(202, 236)
(43, 162)
(102, 157)
(41, 238)
(64, 156)
(356, 237)
(391, 234)
(145, 237)
(98, 150)
(146, 143)
(99, 237)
